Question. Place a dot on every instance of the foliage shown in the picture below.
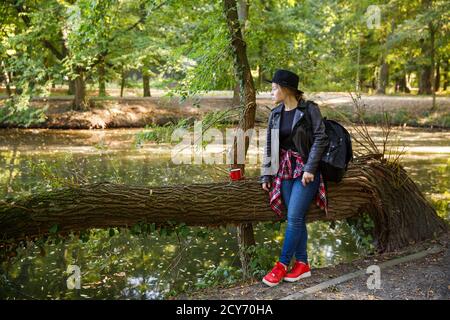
(362, 228)
(18, 112)
(221, 275)
(163, 133)
(185, 44)
(160, 134)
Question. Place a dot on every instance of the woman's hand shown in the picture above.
(307, 178)
(266, 186)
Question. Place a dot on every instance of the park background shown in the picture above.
(91, 91)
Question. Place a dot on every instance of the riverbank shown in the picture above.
(38, 159)
(135, 112)
(423, 278)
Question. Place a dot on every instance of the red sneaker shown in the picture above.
(275, 276)
(299, 271)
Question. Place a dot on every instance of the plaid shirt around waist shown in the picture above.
(285, 172)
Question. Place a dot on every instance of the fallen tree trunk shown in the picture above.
(400, 212)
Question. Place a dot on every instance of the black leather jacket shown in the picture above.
(309, 138)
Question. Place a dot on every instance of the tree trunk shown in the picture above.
(437, 80)
(373, 84)
(260, 77)
(358, 62)
(260, 66)
(71, 89)
(236, 25)
(122, 83)
(403, 87)
(79, 102)
(8, 188)
(399, 210)
(426, 72)
(6, 79)
(101, 80)
(236, 95)
(446, 71)
(383, 78)
(425, 80)
(242, 10)
(432, 31)
(146, 83)
(243, 74)
(245, 239)
(8, 84)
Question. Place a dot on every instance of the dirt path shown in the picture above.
(138, 112)
(426, 278)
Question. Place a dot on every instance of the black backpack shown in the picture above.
(338, 153)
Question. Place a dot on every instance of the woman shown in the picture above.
(296, 140)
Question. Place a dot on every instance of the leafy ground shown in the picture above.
(426, 278)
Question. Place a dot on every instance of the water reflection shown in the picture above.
(134, 285)
(157, 266)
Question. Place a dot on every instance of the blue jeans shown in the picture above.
(297, 200)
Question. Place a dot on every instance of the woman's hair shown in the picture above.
(292, 92)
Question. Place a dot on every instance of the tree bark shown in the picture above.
(71, 88)
(426, 73)
(122, 83)
(242, 7)
(6, 78)
(403, 87)
(101, 80)
(8, 189)
(8, 84)
(358, 72)
(384, 191)
(260, 77)
(79, 102)
(383, 78)
(243, 74)
(247, 95)
(245, 239)
(425, 80)
(146, 84)
(236, 95)
(432, 31)
(437, 80)
(446, 71)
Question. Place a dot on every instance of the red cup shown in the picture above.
(235, 174)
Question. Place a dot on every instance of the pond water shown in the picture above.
(116, 264)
